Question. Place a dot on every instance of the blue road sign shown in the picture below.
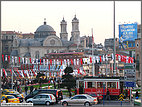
(130, 84)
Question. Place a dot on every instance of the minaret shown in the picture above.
(64, 34)
(75, 34)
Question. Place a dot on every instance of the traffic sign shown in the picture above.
(121, 97)
(129, 66)
(130, 84)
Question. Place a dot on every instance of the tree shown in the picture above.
(68, 81)
(38, 79)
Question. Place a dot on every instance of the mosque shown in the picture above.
(46, 41)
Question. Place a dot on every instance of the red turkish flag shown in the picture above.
(8, 58)
(78, 71)
(61, 61)
(30, 60)
(81, 61)
(100, 59)
(18, 73)
(40, 61)
(51, 61)
(90, 59)
(3, 57)
(49, 67)
(10, 71)
(19, 60)
(71, 61)
(33, 72)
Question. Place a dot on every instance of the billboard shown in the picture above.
(127, 35)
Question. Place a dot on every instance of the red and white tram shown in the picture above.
(99, 85)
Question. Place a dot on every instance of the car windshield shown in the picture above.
(10, 97)
(35, 92)
(18, 95)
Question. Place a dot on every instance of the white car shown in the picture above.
(42, 99)
(80, 99)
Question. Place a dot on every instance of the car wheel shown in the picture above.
(87, 104)
(47, 103)
(29, 101)
(65, 103)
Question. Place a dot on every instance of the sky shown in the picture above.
(27, 16)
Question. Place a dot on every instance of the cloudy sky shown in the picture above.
(27, 16)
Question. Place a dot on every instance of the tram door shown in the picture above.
(121, 86)
(81, 87)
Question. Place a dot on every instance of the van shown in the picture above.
(56, 92)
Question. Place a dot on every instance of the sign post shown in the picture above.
(121, 97)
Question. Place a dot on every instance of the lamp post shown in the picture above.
(114, 50)
(103, 93)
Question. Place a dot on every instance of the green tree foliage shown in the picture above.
(68, 81)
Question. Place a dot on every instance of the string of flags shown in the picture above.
(48, 61)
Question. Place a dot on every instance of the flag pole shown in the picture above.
(92, 54)
(114, 50)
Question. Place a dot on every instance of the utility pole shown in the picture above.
(114, 50)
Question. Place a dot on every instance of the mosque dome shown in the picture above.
(44, 30)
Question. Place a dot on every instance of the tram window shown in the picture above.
(93, 84)
(111, 85)
(100, 84)
(89, 84)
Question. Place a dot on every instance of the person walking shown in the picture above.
(107, 95)
(137, 94)
(26, 89)
(31, 89)
(126, 94)
(18, 88)
(4, 101)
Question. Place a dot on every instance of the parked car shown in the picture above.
(11, 99)
(17, 96)
(56, 92)
(7, 91)
(80, 99)
(42, 99)
(98, 96)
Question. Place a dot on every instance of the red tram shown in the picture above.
(99, 85)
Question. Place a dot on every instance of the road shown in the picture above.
(106, 103)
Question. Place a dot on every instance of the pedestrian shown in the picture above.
(107, 95)
(54, 84)
(4, 101)
(26, 89)
(75, 91)
(137, 94)
(18, 88)
(31, 89)
(126, 94)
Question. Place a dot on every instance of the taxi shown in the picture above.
(8, 90)
(11, 99)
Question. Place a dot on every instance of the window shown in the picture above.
(89, 84)
(100, 84)
(82, 97)
(10, 97)
(45, 96)
(35, 92)
(111, 85)
(38, 96)
(76, 97)
(37, 54)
